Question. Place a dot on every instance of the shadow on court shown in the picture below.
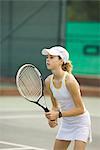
(23, 125)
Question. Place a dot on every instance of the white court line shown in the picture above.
(20, 110)
(27, 148)
(21, 116)
(20, 145)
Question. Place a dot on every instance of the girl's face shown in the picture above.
(53, 62)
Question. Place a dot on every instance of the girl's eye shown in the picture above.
(47, 57)
(50, 57)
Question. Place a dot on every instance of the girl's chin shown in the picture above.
(49, 68)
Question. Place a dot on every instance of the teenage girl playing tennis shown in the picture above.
(67, 102)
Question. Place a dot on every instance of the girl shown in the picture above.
(66, 102)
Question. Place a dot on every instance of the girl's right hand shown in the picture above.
(52, 124)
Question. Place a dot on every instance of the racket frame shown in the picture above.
(42, 84)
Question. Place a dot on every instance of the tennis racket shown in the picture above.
(30, 84)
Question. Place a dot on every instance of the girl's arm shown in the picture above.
(47, 91)
(74, 90)
(54, 109)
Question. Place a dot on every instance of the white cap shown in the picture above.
(57, 51)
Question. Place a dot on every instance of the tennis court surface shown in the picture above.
(23, 125)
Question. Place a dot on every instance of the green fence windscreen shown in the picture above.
(83, 44)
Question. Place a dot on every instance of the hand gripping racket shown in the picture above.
(30, 84)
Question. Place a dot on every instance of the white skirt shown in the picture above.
(75, 128)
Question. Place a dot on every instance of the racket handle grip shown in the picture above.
(46, 109)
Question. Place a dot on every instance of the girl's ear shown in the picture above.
(62, 62)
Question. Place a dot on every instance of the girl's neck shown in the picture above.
(58, 74)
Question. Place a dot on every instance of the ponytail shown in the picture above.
(67, 67)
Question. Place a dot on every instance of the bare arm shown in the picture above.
(74, 90)
(54, 109)
(48, 91)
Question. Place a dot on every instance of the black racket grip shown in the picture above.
(46, 109)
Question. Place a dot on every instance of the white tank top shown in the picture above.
(62, 95)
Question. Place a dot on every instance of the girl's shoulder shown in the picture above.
(47, 85)
(47, 81)
(71, 80)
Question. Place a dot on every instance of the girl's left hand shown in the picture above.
(52, 124)
(52, 115)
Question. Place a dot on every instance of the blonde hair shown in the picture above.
(67, 67)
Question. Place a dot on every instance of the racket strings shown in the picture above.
(23, 83)
(29, 92)
(30, 83)
(28, 78)
(34, 82)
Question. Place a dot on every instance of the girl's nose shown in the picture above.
(47, 59)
